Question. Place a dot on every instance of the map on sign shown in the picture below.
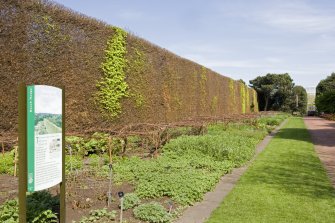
(44, 136)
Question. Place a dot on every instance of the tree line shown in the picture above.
(277, 92)
(325, 95)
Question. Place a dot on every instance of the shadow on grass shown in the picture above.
(321, 137)
(298, 177)
(294, 168)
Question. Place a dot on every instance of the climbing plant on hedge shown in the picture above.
(247, 98)
(243, 97)
(113, 87)
(137, 65)
(232, 94)
(254, 104)
(203, 81)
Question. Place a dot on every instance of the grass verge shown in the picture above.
(286, 183)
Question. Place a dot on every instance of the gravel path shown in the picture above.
(323, 136)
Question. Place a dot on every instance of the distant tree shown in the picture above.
(325, 102)
(325, 95)
(298, 100)
(273, 91)
(326, 85)
(242, 81)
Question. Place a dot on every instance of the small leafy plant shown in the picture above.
(39, 206)
(152, 212)
(7, 163)
(46, 216)
(9, 211)
(99, 215)
(130, 201)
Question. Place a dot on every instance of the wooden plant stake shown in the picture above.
(110, 148)
(15, 160)
(3, 149)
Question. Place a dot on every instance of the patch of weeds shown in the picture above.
(131, 200)
(152, 212)
(99, 215)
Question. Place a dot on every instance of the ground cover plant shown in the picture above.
(152, 212)
(286, 183)
(98, 215)
(189, 166)
(7, 163)
(181, 172)
(39, 208)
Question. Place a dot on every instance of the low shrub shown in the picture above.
(99, 215)
(152, 212)
(131, 200)
(190, 166)
(7, 163)
(75, 162)
(96, 144)
(9, 211)
(76, 144)
(39, 206)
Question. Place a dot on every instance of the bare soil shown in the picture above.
(84, 193)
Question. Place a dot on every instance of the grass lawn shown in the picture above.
(286, 183)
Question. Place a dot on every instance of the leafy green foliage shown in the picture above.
(243, 97)
(298, 100)
(113, 87)
(273, 91)
(9, 212)
(46, 216)
(77, 145)
(99, 215)
(269, 122)
(137, 65)
(39, 206)
(152, 212)
(325, 95)
(39, 202)
(326, 85)
(7, 163)
(96, 144)
(190, 166)
(325, 102)
(131, 200)
(75, 162)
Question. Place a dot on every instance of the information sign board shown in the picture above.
(44, 137)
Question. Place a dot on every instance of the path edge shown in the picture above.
(201, 211)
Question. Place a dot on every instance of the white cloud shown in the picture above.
(294, 16)
(301, 21)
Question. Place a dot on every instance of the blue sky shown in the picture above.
(241, 39)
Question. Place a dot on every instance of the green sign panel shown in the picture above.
(44, 137)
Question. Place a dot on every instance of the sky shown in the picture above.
(241, 39)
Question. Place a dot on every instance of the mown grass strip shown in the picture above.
(286, 183)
